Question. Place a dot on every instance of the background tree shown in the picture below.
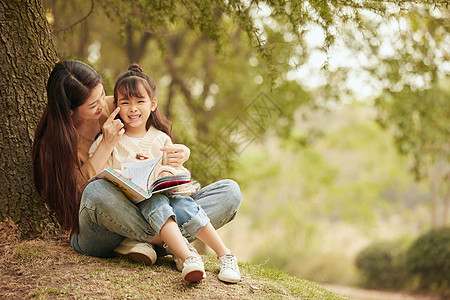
(27, 56)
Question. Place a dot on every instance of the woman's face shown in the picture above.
(92, 108)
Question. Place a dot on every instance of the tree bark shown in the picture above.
(27, 57)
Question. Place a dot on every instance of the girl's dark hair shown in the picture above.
(55, 146)
(128, 85)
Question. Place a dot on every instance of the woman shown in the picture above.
(101, 220)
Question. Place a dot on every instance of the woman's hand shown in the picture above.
(112, 132)
(112, 129)
(177, 154)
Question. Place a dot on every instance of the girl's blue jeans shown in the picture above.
(106, 216)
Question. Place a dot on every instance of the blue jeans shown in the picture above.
(106, 216)
(189, 216)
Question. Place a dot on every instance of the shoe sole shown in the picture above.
(230, 280)
(139, 258)
(194, 276)
(137, 254)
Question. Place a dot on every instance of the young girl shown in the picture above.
(147, 133)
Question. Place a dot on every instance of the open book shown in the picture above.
(134, 180)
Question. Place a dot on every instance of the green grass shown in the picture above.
(49, 292)
(278, 284)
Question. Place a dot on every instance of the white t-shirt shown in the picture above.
(135, 140)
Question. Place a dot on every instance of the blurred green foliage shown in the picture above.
(415, 103)
(382, 265)
(406, 61)
(421, 265)
(404, 58)
(429, 259)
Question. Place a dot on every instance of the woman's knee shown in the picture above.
(96, 187)
(229, 208)
(102, 193)
(234, 193)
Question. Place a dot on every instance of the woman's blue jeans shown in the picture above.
(107, 216)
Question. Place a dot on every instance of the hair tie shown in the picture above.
(135, 68)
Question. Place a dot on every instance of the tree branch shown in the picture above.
(77, 22)
(176, 77)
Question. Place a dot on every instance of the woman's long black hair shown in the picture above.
(55, 146)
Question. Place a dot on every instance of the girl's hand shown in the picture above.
(177, 154)
(164, 174)
(112, 129)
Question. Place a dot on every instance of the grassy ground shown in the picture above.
(48, 268)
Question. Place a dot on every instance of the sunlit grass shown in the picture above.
(49, 292)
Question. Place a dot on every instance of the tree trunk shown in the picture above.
(27, 57)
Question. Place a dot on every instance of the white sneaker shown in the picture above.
(136, 251)
(176, 259)
(229, 269)
(193, 269)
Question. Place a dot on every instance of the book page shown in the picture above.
(139, 171)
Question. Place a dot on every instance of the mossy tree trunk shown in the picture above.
(27, 56)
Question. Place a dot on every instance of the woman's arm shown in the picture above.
(103, 147)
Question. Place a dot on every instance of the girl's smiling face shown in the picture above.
(135, 111)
